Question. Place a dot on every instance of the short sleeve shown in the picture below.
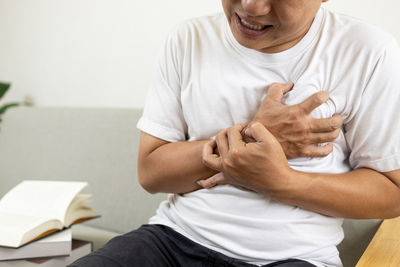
(373, 133)
(162, 116)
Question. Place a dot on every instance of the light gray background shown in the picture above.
(101, 53)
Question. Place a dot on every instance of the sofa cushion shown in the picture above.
(98, 145)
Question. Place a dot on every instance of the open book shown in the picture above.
(34, 209)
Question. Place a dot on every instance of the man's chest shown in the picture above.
(218, 97)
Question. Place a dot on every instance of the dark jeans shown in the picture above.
(160, 246)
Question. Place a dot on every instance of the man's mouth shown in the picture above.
(251, 28)
(256, 27)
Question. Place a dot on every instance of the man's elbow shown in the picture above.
(146, 182)
(390, 212)
(395, 214)
(394, 199)
(394, 209)
(146, 174)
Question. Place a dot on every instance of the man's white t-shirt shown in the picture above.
(206, 81)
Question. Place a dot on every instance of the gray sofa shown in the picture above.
(100, 146)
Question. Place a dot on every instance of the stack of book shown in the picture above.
(35, 220)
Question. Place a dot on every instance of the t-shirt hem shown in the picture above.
(387, 164)
(159, 221)
(159, 131)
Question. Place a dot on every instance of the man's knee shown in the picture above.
(136, 248)
(95, 260)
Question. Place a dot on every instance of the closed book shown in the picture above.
(34, 209)
(57, 244)
(80, 248)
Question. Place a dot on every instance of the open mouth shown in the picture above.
(250, 28)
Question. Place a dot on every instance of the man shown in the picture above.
(277, 200)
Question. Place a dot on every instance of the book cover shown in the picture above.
(57, 244)
(80, 248)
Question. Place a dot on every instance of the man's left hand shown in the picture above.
(260, 166)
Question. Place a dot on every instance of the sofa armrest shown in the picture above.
(88, 233)
(384, 249)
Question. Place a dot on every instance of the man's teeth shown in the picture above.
(252, 26)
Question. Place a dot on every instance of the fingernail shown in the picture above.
(336, 124)
(322, 94)
(256, 123)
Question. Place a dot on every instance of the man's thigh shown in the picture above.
(150, 245)
(160, 246)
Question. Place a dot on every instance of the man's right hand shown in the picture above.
(294, 127)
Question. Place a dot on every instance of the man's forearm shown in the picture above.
(361, 194)
(262, 166)
(174, 168)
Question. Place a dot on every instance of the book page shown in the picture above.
(48, 199)
(81, 200)
(13, 227)
(79, 209)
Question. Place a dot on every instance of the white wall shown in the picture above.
(383, 13)
(102, 52)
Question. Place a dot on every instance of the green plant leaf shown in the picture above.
(7, 106)
(3, 88)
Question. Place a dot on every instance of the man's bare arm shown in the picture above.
(176, 167)
(359, 194)
(165, 167)
(262, 166)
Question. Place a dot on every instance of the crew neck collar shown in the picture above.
(280, 57)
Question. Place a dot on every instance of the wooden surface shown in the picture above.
(384, 249)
